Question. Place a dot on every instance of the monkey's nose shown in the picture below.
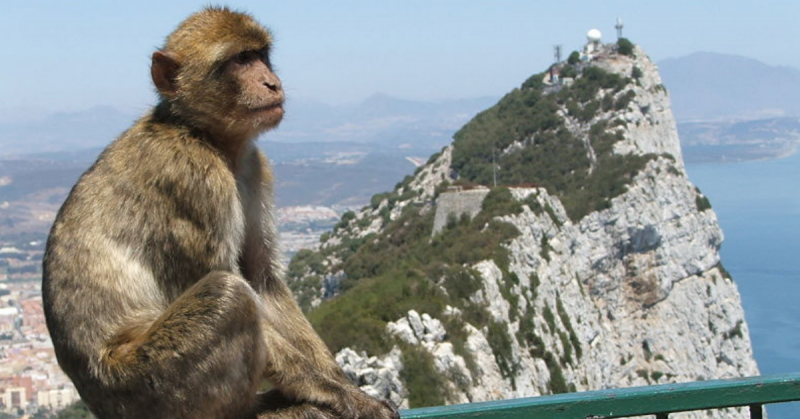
(273, 85)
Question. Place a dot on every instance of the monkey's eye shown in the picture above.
(245, 57)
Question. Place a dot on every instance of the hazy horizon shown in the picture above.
(72, 57)
(26, 114)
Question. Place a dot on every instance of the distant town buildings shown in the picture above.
(14, 399)
(56, 399)
(30, 379)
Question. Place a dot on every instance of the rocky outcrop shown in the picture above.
(378, 377)
(632, 293)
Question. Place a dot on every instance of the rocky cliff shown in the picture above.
(595, 264)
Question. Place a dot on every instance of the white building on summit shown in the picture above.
(593, 43)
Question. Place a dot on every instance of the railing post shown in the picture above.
(756, 411)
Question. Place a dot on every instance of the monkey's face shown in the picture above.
(259, 99)
(216, 72)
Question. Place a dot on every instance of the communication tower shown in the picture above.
(618, 27)
(557, 53)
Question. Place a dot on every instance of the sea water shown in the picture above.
(758, 205)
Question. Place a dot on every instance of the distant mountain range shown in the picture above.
(380, 120)
(711, 86)
(709, 93)
(331, 174)
(63, 131)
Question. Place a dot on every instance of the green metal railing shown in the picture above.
(660, 401)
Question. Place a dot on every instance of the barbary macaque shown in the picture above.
(162, 288)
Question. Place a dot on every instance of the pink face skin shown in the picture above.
(260, 90)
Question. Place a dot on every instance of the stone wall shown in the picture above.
(456, 204)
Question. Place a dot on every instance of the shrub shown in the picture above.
(425, 386)
(636, 73)
(557, 382)
(736, 331)
(625, 47)
(568, 71)
(701, 201)
(499, 201)
(549, 318)
(624, 100)
(376, 199)
(77, 410)
(573, 337)
(724, 272)
(607, 103)
(574, 58)
(346, 218)
(500, 342)
(459, 281)
(545, 248)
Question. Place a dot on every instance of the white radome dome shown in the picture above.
(594, 35)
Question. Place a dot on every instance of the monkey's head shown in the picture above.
(215, 72)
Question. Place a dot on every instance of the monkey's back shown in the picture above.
(152, 216)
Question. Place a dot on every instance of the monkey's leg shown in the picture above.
(301, 366)
(273, 405)
(202, 358)
(298, 411)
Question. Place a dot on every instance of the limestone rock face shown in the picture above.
(378, 377)
(416, 329)
(650, 124)
(632, 294)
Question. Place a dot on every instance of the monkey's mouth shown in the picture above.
(267, 108)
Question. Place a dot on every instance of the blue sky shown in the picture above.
(67, 56)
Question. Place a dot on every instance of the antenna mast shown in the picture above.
(618, 27)
(494, 168)
(557, 53)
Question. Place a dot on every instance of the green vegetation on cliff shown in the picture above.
(625, 46)
(404, 268)
(531, 143)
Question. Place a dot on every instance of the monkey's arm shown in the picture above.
(299, 363)
(301, 366)
(285, 317)
(260, 266)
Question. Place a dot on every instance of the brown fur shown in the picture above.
(162, 288)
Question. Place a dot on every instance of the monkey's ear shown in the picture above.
(164, 70)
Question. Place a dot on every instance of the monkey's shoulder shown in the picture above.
(148, 175)
(165, 157)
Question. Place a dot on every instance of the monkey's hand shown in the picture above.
(355, 404)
